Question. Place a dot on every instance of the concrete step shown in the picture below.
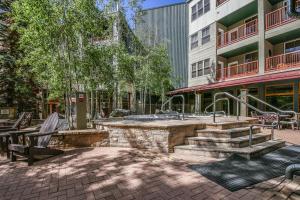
(229, 133)
(222, 152)
(227, 125)
(237, 142)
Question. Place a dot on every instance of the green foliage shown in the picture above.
(155, 71)
(56, 37)
(70, 43)
(16, 83)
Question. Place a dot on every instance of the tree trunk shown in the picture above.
(150, 111)
(92, 105)
(88, 108)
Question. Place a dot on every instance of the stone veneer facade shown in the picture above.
(155, 138)
(80, 138)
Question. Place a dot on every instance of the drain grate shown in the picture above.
(237, 173)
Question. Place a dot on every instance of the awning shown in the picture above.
(243, 81)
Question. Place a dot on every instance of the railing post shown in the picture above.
(250, 136)
(228, 107)
(214, 108)
(272, 130)
(238, 111)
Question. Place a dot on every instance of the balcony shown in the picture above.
(283, 62)
(240, 33)
(279, 17)
(220, 2)
(237, 71)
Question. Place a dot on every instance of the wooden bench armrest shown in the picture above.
(15, 134)
(23, 132)
(8, 130)
(32, 136)
(5, 127)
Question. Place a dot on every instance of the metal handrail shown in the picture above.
(271, 106)
(221, 99)
(170, 99)
(274, 124)
(238, 100)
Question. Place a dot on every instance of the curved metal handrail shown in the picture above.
(238, 100)
(170, 99)
(271, 106)
(221, 99)
(274, 124)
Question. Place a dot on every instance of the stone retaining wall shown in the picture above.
(154, 139)
(80, 138)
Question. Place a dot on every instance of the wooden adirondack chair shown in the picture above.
(23, 122)
(38, 141)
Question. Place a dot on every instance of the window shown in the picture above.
(280, 96)
(200, 68)
(251, 25)
(233, 35)
(292, 46)
(206, 6)
(194, 12)
(251, 57)
(202, 7)
(206, 67)
(194, 72)
(205, 35)
(194, 41)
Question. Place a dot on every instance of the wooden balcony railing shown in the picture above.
(284, 61)
(279, 17)
(220, 2)
(247, 30)
(242, 70)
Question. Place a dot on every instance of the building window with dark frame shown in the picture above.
(206, 6)
(202, 7)
(205, 35)
(292, 46)
(194, 12)
(194, 70)
(194, 41)
(201, 68)
(206, 67)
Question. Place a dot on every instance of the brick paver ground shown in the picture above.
(125, 174)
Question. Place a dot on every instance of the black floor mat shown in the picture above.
(236, 173)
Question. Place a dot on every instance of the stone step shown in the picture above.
(227, 125)
(221, 152)
(229, 133)
(237, 142)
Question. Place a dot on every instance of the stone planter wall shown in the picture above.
(154, 139)
(80, 138)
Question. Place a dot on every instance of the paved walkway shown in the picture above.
(125, 174)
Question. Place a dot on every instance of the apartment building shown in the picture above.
(250, 45)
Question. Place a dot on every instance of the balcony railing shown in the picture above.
(220, 2)
(279, 17)
(242, 70)
(284, 61)
(247, 30)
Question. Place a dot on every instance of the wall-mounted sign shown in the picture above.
(4, 112)
(81, 97)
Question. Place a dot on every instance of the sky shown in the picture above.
(150, 4)
(157, 3)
